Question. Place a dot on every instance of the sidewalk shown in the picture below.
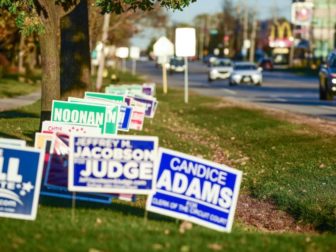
(19, 101)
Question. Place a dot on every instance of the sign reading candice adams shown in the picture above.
(195, 190)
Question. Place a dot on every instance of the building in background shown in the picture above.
(323, 27)
(314, 26)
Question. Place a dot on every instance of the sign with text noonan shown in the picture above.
(112, 164)
(195, 190)
(106, 117)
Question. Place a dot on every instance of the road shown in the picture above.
(280, 90)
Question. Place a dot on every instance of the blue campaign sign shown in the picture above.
(55, 173)
(125, 118)
(195, 190)
(20, 180)
(106, 164)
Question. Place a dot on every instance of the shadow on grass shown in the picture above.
(17, 114)
(31, 136)
(125, 208)
(6, 135)
(7, 94)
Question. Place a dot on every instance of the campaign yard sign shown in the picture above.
(118, 164)
(55, 170)
(148, 89)
(125, 112)
(116, 90)
(149, 102)
(195, 190)
(138, 118)
(53, 127)
(110, 97)
(106, 117)
(12, 142)
(20, 180)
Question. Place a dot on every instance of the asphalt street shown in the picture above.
(280, 90)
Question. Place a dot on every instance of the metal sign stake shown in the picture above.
(73, 208)
(164, 78)
(186, 81)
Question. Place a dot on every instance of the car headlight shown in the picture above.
(236, 76)
(333, 81)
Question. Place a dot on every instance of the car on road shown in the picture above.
(246, 72)
(208, 58)
(176, 64)
(266, 64)
(221, 68)
(327, 78)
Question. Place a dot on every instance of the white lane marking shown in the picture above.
(328, 107)
(229, 91)
(276, 98)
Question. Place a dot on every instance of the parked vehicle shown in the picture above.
(220, 69)
(246, 72)
(266, 64)
(176, 64)
(327, 77)
(206, 59)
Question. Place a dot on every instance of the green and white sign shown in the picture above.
(113, 91)
(111, 97)
(124, 89)
(106, 117)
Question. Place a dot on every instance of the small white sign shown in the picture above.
(185, 42)
(135, 52)
(122, 52)
(163, 47)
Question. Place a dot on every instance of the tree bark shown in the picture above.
(75, 52)
(49, 43)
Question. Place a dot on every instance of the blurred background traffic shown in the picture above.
(283, 48)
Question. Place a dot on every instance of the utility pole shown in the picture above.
(245, 27)
(330, 34)
(254, 32)
(275, 12)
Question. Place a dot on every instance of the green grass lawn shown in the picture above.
(117, 76)
(10, 87)
(292, 165)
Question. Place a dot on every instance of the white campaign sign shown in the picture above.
(53, 127)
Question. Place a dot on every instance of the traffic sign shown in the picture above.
(163, 47)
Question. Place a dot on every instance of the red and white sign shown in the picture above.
(138, 118)
(54, 127)
(302, 13)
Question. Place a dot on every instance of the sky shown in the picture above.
(214, 6)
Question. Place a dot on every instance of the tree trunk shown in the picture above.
(75, 52)
(49, 43)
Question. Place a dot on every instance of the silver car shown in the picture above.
(220, 69)
(246, 72)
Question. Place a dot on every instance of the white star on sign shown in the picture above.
(27, 186)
